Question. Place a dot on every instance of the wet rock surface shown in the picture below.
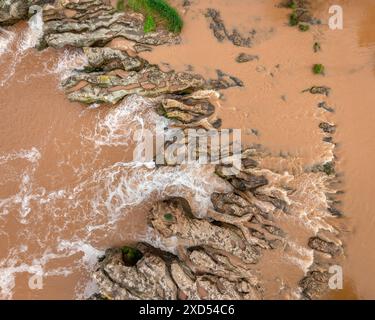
(244, 57)
(197, 255)
(221, 32)
(224, 81)
(95, 23)
(111, 75)
(13, 11)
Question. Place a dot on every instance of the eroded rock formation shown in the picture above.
(205, 255)
(111, 74)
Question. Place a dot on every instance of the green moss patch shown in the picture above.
(318, 69)
(168, 217)
(131, 255)
(157, 12)
(120, 5)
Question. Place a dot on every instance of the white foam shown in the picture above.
(119, 124)
(34, 32)
(6, 39)
(29, 39)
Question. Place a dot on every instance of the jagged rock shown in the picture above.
(205, 261)
(173, 221)
(315, 284)
(149, 279)
(321, 245)
(231, 204)
(327, 128)
(242, 181)
(156, 276)
(95, 23)
(106, 59)
(13, 11)
(224, 81)
(244, 57)
(328, 168)
(221, 33)
(187, 112)
(101, 81)
(319, 90)
(325, 107)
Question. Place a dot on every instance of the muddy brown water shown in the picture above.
(68, 189)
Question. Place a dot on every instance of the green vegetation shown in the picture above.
(296, 18)
(168, 217)
(157, 11)
(318, 69)
(120, 5)
(150, 24)
(292, 5)
(293, 19)
(304, 27)
(131, 255)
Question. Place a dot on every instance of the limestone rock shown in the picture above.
(111, 75)
(95, 23)
(13, 11)
(321, 245)
(148, 279)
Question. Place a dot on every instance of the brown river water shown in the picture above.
(69, 188)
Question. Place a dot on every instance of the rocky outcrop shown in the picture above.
(244, 57)
(206, 258)
(11, 11)
(111, 75)
(324, 90)
(221, 32)
(84, 23)
(95, 23)
(205, 261)
(224, 81)
(191, 111)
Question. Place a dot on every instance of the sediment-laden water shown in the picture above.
(69, 187)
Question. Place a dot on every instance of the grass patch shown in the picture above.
(131, 255)
(292, 5)
(318, 69)
(157, 11)
(120, 5)
(168, 217)
(293, 19)
(150, 24)
(304, 27)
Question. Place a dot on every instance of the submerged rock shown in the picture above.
(321, 245)
(224, 81)
(324, 90)
(327, 127)
(221, 33)
(244, 57)
(315, 284)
